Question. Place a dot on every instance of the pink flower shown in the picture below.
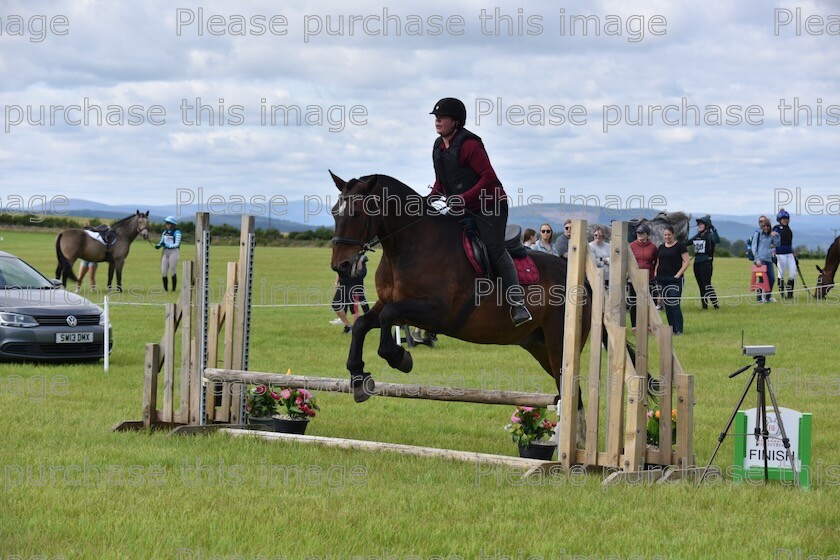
(285, 394)
(305, 394)
(260, 389)
(527, 408)
(515, 419)
(275, 396)
(299, 401)
(247, 408)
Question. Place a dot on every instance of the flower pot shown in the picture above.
(264, 423)
(542, 450)
(288, 425)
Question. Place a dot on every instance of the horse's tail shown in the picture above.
(65, 267)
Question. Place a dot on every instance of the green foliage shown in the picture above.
(530, 424)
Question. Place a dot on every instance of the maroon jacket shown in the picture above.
(646, 255)
(475, 157)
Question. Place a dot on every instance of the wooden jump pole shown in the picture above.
(405, 391)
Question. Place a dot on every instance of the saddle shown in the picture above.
(476, 253)
(102, 233)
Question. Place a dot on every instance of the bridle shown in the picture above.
(368, 246)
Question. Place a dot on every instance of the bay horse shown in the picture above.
(425, 279)
(825, 280)
(74, 243)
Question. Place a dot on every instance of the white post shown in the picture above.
(105, 338)
(397, 334)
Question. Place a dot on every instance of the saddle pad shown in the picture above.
(95, 235)
(465, 240)
(527, 270)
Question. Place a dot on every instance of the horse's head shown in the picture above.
(142, 223)
(825, 281)
(356, 222)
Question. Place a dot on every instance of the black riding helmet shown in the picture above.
(451, 107)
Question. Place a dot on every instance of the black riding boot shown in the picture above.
(165, 283)
(782, 289)
(519, 314)
(174, 281)
(790, 289)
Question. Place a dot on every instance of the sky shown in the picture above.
(571, 99)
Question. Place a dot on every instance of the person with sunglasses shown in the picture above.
(600, 249)
(764, 243)
(543, 244)
(562, 243)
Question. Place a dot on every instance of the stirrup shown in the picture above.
(520, 315)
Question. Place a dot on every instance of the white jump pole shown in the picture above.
(105, 338)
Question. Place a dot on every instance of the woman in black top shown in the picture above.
(671, 264)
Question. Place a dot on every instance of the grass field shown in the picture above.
(72, 488)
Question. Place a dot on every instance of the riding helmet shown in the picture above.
(705, 220)
(782, 214)
(171, 220)
(450, 107)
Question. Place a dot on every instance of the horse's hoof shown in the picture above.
(363, 387)
(406, 364)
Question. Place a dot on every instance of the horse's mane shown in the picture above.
(394, 186)
(123, 219)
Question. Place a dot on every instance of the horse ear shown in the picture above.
(818, 268)
(372, 182)
(339, 182)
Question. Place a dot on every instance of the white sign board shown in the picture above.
(776, 456)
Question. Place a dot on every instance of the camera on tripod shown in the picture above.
(766, 350)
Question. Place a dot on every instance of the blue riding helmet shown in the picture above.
(171, 220)
(782, 214)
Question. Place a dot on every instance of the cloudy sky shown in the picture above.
(638, 75)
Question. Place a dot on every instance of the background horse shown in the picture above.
(74, 243)
(825, 280)
(424, 279)
(680, 221)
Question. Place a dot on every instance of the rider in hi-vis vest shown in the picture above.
(464, 179)
(170, 240)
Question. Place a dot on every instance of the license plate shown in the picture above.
(73, 337)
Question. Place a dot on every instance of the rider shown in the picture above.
(463, 171)
(170, 240)
(785, 258)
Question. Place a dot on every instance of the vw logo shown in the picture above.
(72, 321)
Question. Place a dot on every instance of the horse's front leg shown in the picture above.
(396, 356)
(360, 380)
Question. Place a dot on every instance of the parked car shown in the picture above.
(40, 321)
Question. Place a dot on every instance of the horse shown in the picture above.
(425, 279)
(825, 280)
(74, 243)
(680, 221)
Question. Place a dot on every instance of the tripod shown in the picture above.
(761, 374)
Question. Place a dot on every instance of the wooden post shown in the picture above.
(150, 379)
(572, 342)
(593, 402)
(169, 363)
(183, 415)
(685, 420)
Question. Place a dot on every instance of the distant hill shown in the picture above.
(815, 232)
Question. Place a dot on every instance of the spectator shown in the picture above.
(543, 245)
(784, 254)
(170, 240)
(349, 293)
(764, 242)
(704, 254)
(646, 253)
(562, 245)
(671, 263)
(84, 268)
(529, 238)
(600, 249)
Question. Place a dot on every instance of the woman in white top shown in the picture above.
(544, 245)
(600, 249)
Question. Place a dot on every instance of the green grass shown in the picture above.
(139, 495)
